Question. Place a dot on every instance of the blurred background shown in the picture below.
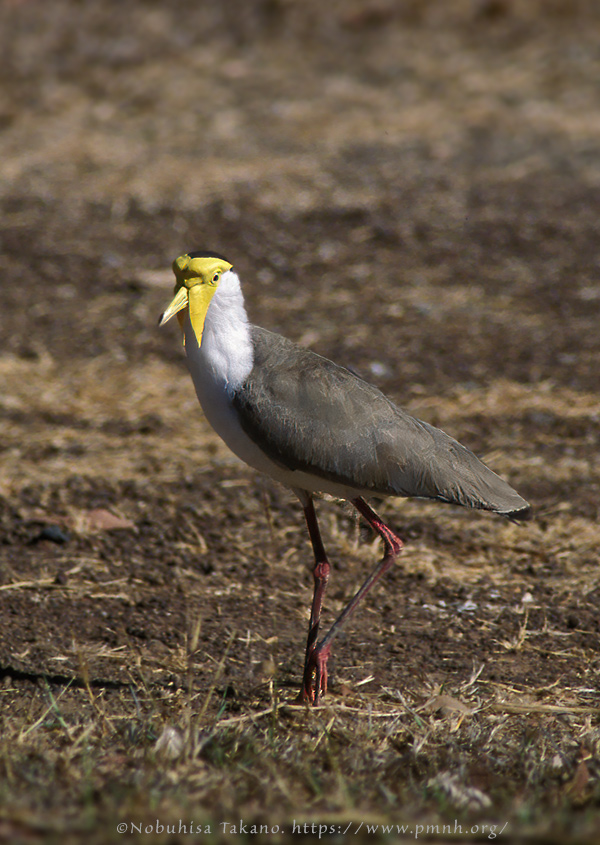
(410, 187)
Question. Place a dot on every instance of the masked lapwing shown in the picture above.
(316, 427)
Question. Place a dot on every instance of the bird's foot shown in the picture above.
(314, 683)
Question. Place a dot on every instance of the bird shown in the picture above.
(317, 428)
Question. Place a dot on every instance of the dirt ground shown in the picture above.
(411, 189)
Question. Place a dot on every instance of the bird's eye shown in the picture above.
(215, 278)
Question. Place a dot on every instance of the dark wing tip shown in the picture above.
(523, 514)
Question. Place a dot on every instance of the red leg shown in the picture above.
(393, 543)
(316, 662)
(321, 577)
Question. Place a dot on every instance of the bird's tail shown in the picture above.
(459, 477)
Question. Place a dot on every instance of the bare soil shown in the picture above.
(411, 189)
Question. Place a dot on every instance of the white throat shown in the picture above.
(225, 355)
(219, 366)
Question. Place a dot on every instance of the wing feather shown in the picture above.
(309, 414)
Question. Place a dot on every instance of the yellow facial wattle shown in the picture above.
(197, 278)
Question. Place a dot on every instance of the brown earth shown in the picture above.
(412, 189)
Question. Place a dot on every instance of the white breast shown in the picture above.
(221, 364)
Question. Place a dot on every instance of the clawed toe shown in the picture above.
(314, 683)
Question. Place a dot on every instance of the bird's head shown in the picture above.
(197, 277)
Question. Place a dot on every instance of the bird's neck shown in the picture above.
(225, 353)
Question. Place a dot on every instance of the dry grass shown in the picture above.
(410, 188)
(148, 753)
(206, 728)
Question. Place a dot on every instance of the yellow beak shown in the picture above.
(197, 298)
(179, 301)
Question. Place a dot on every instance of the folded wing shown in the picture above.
(309, 414)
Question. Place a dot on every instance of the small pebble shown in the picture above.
(53, 533)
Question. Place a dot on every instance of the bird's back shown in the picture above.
(309, 414)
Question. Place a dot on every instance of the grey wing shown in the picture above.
(309, 414)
